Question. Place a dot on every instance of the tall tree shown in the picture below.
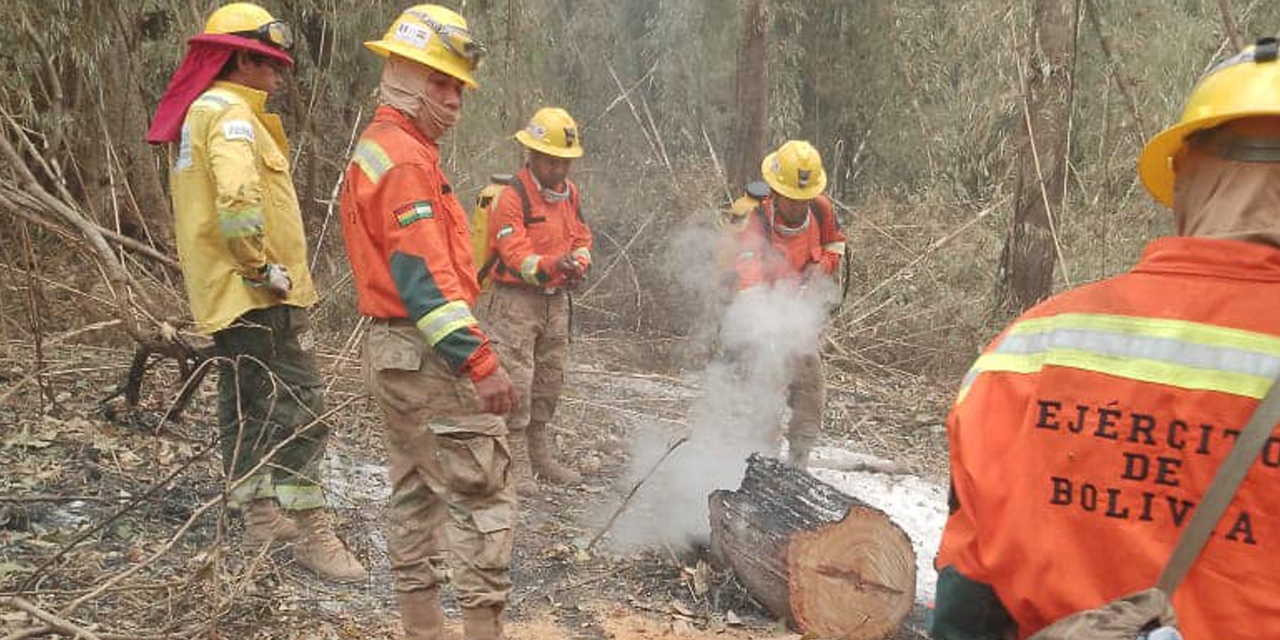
(751, 94)
(1047, 78)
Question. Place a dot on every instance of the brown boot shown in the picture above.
(264, 523)
(521, 469)
(320, 550)
(482, 623)
(421, 615)
(544, 462)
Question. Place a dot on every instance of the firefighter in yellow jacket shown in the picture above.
(243, 251)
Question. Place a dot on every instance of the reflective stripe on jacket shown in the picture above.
(529, 246)
(769, 252)
(1085, 434)
(407, 239)
(235, 206)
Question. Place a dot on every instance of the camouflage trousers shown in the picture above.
(530, 331)
(806, 396)
(268, 399)
(452, 506)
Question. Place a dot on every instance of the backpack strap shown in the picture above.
(1225, 483)
(526, 208)
(483, 273)
(525, 205)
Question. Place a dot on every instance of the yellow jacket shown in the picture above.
(235, 206)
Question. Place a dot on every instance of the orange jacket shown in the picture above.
(771, 251)
(1087, 431)
(406, 236)
(529, 247)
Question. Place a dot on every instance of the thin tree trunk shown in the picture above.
(752, 95)
(1028, 259)
(515, 83)
(149, 205)
(1229, 24)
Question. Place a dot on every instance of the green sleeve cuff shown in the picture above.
(967, 610)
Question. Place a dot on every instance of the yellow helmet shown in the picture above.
(552, 131)
(434, 36)
(251, 21)
(1245, 85)
(795, 170)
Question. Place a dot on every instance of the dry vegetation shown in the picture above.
(913, 102)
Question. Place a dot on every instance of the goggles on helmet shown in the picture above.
(457, 40)
(275, 33)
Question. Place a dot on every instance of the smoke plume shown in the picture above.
(743, 393)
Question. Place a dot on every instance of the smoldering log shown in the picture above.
(826, 562)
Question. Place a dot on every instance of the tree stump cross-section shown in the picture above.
(826, 562)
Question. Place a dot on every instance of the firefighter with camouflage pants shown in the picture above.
(793, 240)
(427, 364)
(541, 251)
(243, 251)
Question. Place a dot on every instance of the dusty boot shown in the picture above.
(421, 615)
(483, 623)
(544, 462)
(263, 523)
(320, 550)
(521, 469)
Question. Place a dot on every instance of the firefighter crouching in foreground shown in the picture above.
(1091, 427)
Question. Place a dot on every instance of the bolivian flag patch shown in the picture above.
(413, 212)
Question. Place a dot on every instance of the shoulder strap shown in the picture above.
(526, 207)
(1225, 483)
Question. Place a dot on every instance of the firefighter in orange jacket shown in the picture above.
(427, 363)
(794, 240)
(1090, 427)
(542, 249)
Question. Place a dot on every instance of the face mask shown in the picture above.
(404, 87)
(552, 196)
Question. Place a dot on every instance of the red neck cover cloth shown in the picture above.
(207, 53)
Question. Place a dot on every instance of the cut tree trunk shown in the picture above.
(826, 562)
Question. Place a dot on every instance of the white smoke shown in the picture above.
(743, 398)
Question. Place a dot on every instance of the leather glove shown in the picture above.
(275, 279)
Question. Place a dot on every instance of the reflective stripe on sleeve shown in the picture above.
(581, 252)
(1179, 353)
(529, 269)
(372, 160)
(445, 319)
(834, 247)
(242, 223)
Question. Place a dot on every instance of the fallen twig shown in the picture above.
(626, 500)
(53, 622)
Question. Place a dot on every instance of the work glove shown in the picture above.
(572, 270)
(274, 278)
